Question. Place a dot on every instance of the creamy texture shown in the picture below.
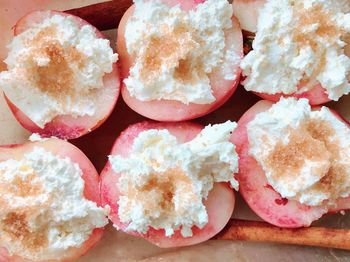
(163, 182)
(43, 209)
(298, 45)
(175, 51)
(305, 154)
(56, 68)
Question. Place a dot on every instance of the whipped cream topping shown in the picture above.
(175, 51)
(43, 208)
(305, 153)
(298, 45)
(56, 67)
(163, 183)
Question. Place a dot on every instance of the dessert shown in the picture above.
(170, 183)
(180, 59)
(300, 49)
(61, 78)
(50, 202)
(294, 161)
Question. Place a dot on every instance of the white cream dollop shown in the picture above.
(56, 68)
(175, 51)
(299, 44)
(305, 154)
(164, 182)
(43, 209)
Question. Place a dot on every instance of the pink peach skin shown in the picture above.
(316, 96)
(220, 202)
(169, 110)
(65, 126)
(91, 191)
(259, 195)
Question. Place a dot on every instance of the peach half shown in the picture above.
(170, 110)
(219, 204)
(66, 126)
(90, 176)
(260, 196)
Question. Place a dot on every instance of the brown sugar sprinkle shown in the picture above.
(22, 186)
(336, 176)
(291, 157)
(56, 78)
(326, 29)
(183, 71)
(15, 225)
(164, 184)
(170, 50)
(321, 130)
(311, 141)
(307, 17)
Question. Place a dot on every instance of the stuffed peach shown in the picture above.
(300, 50)
(293, 161)
(183, 68)
(170, 183)
(50, 202)
(62, 79)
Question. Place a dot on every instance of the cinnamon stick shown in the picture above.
(103, 16)
(264, 232)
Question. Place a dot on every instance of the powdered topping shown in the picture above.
(163, 183)
(305, 154)
(298, 45)
(176, 51)
(43, 208)
(56, 68)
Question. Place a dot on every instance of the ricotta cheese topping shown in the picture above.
(56, 67)
(298, 45)
(43, 210)
(175, 51)
(163, 182)
(305, 154)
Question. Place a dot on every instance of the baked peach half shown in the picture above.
(176, 70)
(50, 202)
(301, 170)
(298, 50)
(62, 77)
(161, 188)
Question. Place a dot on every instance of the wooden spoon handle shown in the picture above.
(103, 16)
(264, 232)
